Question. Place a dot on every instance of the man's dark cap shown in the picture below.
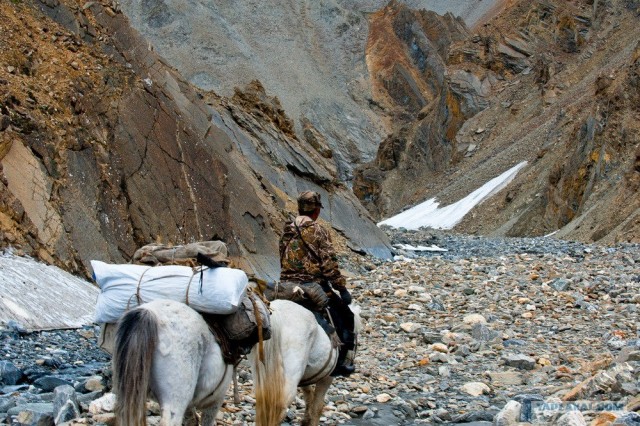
(308, 201)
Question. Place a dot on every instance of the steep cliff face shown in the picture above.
(309, 53)
(406, 54)
(104, 148)
(601, 170)
(565, 102)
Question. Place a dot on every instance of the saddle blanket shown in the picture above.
(214, 291)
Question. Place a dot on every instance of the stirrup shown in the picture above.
(345, 369)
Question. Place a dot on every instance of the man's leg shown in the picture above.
(344, 323)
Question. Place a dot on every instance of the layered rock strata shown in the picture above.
(106, 148)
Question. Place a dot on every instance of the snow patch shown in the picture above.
(429, 214)
(409, 247)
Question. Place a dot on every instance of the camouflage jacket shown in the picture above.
(314, 261)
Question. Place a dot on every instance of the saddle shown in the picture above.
(310, 295)
(237, 333)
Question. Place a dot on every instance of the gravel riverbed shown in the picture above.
(491, 331)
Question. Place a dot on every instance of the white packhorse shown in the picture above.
(166, 347)
(299, 354)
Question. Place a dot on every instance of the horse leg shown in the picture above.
(308, 392)
(174, 383)
(209, 414)
(314, 401)
(191, 418)
(171, 416)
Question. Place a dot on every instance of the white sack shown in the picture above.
(221, 292)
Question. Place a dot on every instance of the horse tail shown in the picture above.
(269, 381)
(136, 340)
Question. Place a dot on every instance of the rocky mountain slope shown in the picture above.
(311, 54)
(441, 102)
(551, 83)
(121, 151)
(105, 148)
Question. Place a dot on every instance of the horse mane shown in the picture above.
(136, 340)
(275, 383)
(269, 381)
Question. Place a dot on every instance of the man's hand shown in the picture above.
(345, 295)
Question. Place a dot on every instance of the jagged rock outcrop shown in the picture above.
(105, 147)
(119, 150)
(576, 129)
(406, 53)
(407, 56)
(604, 148)
(539, 83)
(308, 55)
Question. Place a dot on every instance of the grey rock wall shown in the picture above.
(152, 159)
(310, 54)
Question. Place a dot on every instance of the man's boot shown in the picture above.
(345, 365)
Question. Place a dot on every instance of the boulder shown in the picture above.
(520, 361)
(49, 383)
(9, 373)
(572, 418)
(627, 419)
(475, 388)
(509, 415)
(65, 404)
(34, 414)
(105, 404)
(67, 412)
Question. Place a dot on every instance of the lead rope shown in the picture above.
(189, 285)
(137, 294)
(258, 316)
(236, 393)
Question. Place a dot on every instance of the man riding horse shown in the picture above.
(307, 256)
